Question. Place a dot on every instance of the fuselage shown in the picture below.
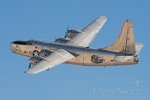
(84, 56)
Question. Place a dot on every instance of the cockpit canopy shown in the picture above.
(22, 42)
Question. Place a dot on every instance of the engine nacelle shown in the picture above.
(45, 53)
(71, 33)
(61, 40)
(34, 60)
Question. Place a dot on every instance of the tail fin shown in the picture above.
(125, 41)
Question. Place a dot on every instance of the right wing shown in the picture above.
(56, 58)
(85, 37)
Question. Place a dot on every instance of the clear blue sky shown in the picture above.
(48, 19)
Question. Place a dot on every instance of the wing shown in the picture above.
(56, 58)
(88, 33)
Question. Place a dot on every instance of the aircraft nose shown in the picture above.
(12, 46)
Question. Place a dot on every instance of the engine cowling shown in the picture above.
(61, 40)
(71, 33)
(34, 60)
(45, 53)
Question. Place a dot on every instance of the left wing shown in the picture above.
(85, 37)
(56, 58)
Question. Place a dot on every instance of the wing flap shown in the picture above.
(56, 58)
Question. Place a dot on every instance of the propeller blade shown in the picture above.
(66, 32)
(67, 28)
(29, 65)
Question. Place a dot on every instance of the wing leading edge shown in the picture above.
(56, 58)
(88, 33)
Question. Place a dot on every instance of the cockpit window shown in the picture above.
(22, 42)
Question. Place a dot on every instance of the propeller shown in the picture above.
(67, 32)
(30, 65)
(67, 28)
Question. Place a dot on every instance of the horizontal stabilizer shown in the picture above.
(138, 47)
